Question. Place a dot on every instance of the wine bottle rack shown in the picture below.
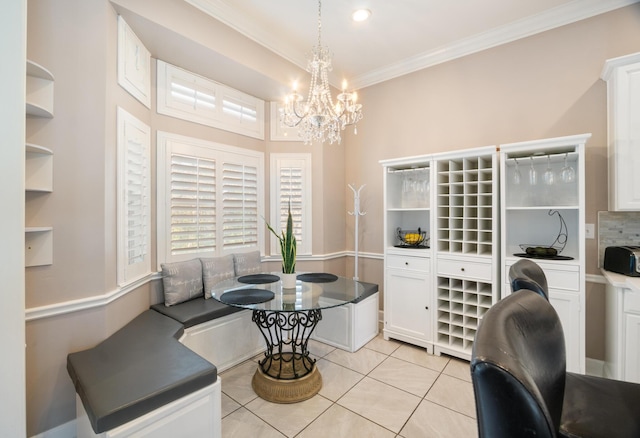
(461, 305)
(465, 205)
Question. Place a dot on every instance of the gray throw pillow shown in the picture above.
(182, 281)
(215, 270)
(247, 263)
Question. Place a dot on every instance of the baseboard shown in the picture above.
(66, 430)
(595, 367)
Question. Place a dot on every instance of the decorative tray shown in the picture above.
(548, 252)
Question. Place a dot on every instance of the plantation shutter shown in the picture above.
(291, 191)
(133, 198)
(193, 205)
(239, 206)
(137, 202)
(242, 112)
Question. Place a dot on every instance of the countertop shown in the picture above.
(619, 280)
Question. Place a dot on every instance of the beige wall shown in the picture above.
(546, 85)
(77, 42)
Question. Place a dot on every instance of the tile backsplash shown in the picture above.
(617, 228)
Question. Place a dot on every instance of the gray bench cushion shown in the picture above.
(136, 370)
(196, 311)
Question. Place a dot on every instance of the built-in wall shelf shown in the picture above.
(38, 163)
(38, 168)
(38, 250)
(39, 91)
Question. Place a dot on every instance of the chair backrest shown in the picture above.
(518, 368)
(525, 274)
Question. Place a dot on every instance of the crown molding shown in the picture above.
(560, 16)
(568, 13)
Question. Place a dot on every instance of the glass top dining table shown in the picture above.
(266, 292)
(287, 317)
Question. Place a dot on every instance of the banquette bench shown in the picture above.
(158, 375)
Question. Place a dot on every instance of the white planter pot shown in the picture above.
(288, 281)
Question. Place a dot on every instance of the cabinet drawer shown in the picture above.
(556, 278)
(406, 262)
(569, 280)
(631, 301)
(454, 268)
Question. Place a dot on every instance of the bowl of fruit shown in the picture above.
(412, 238)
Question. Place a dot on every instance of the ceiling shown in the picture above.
(401, 36)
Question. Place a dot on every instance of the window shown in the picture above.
(187, 96)
(134, 60)
(291, 183)
(133, 203)
(209, 198)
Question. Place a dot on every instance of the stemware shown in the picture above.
(567, 173)
(533, 175)
(516, 173)
(548, 176)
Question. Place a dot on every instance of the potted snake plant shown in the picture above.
(288, 251)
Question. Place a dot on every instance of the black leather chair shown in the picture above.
(525, 274)
(521, 386)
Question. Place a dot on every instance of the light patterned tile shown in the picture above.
(228, 405)
(405, 375)
(362, 361)
(291, 418)
(336, 379)
(242, 424)
(380, 345)
(458, 368)
(434, 421)
(236, 382)
(454, 394)
(419, 356)
(340, 422)
(319, 349)
(383, 404)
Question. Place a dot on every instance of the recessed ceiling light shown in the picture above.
(361, 14)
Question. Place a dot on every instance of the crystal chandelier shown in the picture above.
(319, 119)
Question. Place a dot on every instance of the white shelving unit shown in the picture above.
(466, 246)
(408, 280)
(38, 163)
(535, 213)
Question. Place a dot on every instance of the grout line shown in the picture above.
(368, 374)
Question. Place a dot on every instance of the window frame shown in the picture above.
(279, 161)
(170, 143)
(130, 129)
(224, 99)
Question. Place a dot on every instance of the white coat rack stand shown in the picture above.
(357, 213)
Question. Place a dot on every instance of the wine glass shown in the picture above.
(548, 176)
(517, 177)
(567, 174)
(533, 175)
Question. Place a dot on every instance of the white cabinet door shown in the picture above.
(406, 310)
(632, 348)
(567, 305)
(623, 94)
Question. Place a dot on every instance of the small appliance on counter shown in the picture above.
(624, 260)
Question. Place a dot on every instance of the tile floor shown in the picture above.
(385, 389)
